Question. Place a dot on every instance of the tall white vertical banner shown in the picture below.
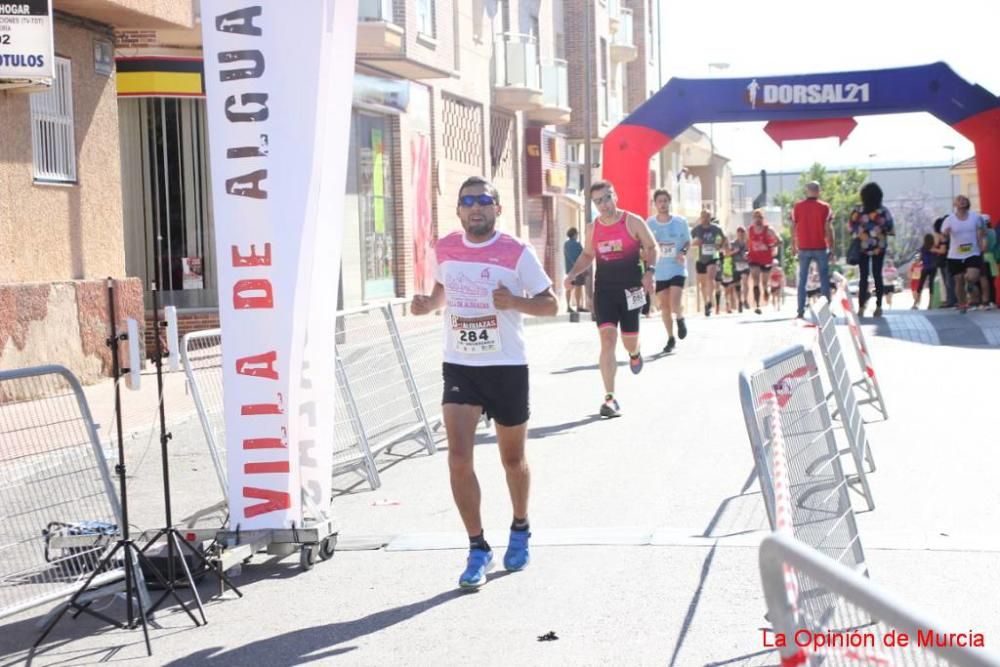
(278, 80)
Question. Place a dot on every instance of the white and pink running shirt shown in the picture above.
(475, 332)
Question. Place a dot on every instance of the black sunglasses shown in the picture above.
(482, 200)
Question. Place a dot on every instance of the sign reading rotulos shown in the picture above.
(26, 50)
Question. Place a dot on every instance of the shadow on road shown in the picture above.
(319, 642)
(541, 431)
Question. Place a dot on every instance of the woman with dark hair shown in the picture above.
(872, 224)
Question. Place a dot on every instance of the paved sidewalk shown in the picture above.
(645, 527)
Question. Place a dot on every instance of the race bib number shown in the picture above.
(475, 335)
(742, 266)
(965, 248)
(635, 298)
(708, 249)
(668, 250)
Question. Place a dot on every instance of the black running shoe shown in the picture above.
(669, 346)
(610, 409)
(682, 330)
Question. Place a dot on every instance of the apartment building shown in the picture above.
(61, 221)
(443, 89)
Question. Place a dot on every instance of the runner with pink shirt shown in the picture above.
(486, 281)
(625, 252)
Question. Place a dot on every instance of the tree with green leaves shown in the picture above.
(913, 215)
(840, 190)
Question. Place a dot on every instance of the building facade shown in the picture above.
(443, 89)
(61, 231)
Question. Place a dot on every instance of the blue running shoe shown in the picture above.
(517, 556)
(635, 363)
(480, 562)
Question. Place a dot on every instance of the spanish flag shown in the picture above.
(160, 76)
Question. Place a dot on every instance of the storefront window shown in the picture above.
(375, 203)
(167, 199)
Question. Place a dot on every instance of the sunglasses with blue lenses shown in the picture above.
(482, 200)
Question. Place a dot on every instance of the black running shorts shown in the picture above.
(676, 281)
(611, 309)
(501, 391)
(701, 268)
(957, 266)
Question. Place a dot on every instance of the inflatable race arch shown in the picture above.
(805, 106)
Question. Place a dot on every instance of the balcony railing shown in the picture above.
(516, 58)
(555, 86)
(624, 35)
(614, 7)
(375, 10)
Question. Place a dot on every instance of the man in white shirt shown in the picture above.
(486, 281)
(965, 231)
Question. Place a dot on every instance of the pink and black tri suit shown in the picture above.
(619, 273)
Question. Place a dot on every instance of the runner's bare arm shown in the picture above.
(543, 304)
(640, 231)
(423, 303)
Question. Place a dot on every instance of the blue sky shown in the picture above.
(784, 37)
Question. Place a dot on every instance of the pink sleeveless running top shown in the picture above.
(617, 255)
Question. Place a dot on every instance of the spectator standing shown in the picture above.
(812, 238)
(872, 224)
(572, 249)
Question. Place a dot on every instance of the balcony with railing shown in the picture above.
(554, 109)
(623, 48)
(614, 15)
(517, 74)
(378, 34)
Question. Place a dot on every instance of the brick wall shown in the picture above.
(638, 76)
(186, 323)
(577, 53)
(65, 323)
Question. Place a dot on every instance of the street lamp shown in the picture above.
(711, 141)
(951, 163)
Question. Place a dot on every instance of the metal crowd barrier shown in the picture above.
(379, 377)
(868, 382)
(854, 629)
(843, 394)
(784, 395)
(59, 506)
(388, 369)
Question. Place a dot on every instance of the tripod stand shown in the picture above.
(132, 556)
(176, 543)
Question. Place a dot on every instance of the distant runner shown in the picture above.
(673, 237)
(762, 241)
(622, 245)
(710, 240)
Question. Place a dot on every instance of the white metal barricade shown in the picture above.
(380, 378)
(868, 383)
(843, 394)
(787, 387)
(834, 616)
(201, 353)
(58, 506)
